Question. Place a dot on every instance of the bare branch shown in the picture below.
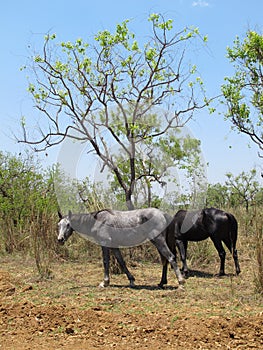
(112, 86)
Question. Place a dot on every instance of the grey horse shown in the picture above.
(113, 229)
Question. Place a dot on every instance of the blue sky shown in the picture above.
(25, 23)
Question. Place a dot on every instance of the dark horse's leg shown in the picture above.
(235, 257)
(167, 256)
(222, 254)
(232, 248)
(164, 272)
(182, 246)
(123, 266)
(106, 264)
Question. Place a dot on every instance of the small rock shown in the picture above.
(69, 330)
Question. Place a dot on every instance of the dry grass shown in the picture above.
(69, 311)
(39, 242)
(78, 283)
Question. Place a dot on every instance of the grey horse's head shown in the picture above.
(64, 228)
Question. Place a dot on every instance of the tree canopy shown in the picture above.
(243, 92)
(106, 93)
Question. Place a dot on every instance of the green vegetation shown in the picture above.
(243, 91)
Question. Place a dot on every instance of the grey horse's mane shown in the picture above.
(95, 213)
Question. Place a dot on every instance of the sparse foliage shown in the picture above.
(243, 91)
(217, 196)
(244, 188)
(105, 93)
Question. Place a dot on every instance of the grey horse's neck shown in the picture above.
(82, 223)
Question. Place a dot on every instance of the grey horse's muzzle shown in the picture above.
(61, 241)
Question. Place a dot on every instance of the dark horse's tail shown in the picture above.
(233, 237)
(233, 231)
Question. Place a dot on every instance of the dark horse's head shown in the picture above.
(64, 228)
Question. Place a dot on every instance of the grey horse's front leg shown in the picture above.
(106, 264)
(123, 266)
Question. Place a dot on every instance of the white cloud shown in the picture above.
(200, 3)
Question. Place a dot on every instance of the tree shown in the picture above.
(25, 194)
(20, 186)
(217, 196)
(163, 158)
(244, 188)
(243, 92)
(106, 94)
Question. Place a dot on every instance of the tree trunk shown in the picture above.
(128, 197)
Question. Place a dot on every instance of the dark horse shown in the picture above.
(196, 226)
(113, 229)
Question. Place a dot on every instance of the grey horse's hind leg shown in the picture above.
(164, 251)
(106, 264)
(123, 266)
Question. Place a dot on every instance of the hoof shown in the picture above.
(181, 281)
(181, 288)
(221, 274)
(104, 284)
(132, 284)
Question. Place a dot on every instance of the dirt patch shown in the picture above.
(6, 286)
(65, 314)
(26, 326)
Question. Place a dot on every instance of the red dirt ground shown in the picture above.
(62, 313)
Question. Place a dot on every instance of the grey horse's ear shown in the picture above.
(69, 214)
(60, 215)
